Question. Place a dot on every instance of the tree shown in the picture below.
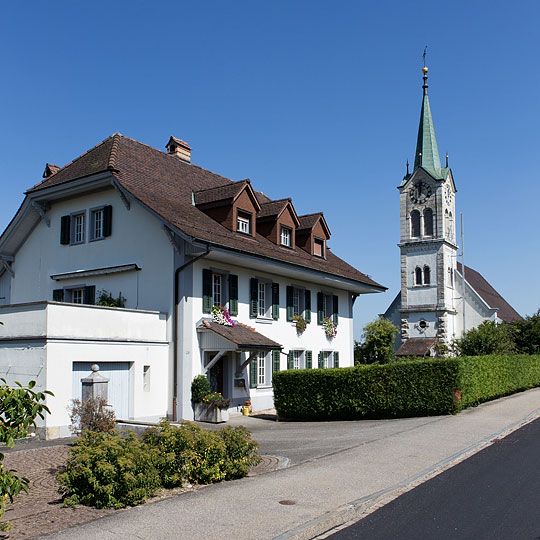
(378, 345)
(19, 408)
(487, 338)
(526, 334)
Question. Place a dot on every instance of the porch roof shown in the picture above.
(243, 336)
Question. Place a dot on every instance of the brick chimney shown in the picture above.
(180, 149)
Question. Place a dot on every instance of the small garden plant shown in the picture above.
(91, 415)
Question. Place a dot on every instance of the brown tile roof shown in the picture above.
(165, 184)
(490, 296)
(220, 193)
(180, 142)
(272, 208)
(308, 221)
(416, 347)
(242, 335)
(50, 169)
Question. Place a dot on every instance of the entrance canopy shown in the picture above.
(240, 338)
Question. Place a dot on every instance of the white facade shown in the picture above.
(153, 348)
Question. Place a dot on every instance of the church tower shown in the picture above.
(428, 240)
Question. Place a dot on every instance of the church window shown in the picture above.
(418, 275)
(450, 278)
(427, 275)
(428, 222)
(415, 223)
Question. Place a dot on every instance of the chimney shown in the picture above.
(50, 169)
(180, 149)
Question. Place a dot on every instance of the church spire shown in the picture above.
(427, 151)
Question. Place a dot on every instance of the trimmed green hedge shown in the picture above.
(413, 388)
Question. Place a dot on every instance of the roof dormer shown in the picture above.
(312, 234)
(278, 222)
(50, 169)
(233, 205)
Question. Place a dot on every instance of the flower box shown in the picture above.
(208, 413)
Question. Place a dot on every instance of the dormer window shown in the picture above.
(243, 222)
(286, 237)
(318, 247)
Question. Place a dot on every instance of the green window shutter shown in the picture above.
(254, 298)
(321, 360)
(65, 223)
(307, 306)
(58, 295)
(309, 359)
(320, 307)
(275, 301)
(253, 372)
(107, 220)
(233, 294)
(336, 359)
(89, 295)
(335, 309)
(207, 290)
(290, 360)
(275, 360)
(290, 308)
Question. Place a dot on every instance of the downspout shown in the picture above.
(175, 328)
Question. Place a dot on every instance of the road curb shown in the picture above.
(330, 522)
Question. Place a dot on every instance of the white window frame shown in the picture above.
(243, 222)
(299, 301)
(298, 359)
(264, 312)
(264, 370)
(217, 289)
(76, 295)
(328, 304)
(94, 212)
(285, 236)
(327, 359)
(78, 236)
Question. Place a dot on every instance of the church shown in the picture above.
(439, 297)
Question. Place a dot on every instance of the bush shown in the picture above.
(526, 333)
(487, 338)
(188, 453)
(409, 388)
(423, 387)
(107, 470)
(107, 299)
(378, 346)
(91, 415)
(200, 387)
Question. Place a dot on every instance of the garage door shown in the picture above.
(118, 374)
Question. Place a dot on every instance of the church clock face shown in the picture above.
(420, 192)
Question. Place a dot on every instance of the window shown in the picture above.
(318, 247)
(78, 226)
(286, 236)
(219, 289)
(243, 222)
(217, 280)
(262, 367)
(415, 223)
(325, 359)
(298, 303)
(428, 222)
(146, 378)
(77, 296)
(97, 225)
(264, 299)
(327, 307)
(418, 275)
(427, 275)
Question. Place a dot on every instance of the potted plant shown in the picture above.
(300, 323)
(208, 406)
(222, 316)
(330, 329)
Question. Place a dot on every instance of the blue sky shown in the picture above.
(314, 100)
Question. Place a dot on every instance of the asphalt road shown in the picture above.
(495, 495)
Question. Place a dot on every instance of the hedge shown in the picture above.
(413, 388)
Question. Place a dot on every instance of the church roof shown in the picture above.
(417, 347)
(490, 296)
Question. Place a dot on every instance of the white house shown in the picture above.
(175, 240)
(438, 301)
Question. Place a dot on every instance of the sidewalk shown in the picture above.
(338, 472)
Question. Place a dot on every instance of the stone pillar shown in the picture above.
(95, 386)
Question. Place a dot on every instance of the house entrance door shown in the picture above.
(217, 376)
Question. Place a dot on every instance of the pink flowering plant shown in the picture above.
(222, 316)
(330, 329)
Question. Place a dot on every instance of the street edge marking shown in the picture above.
(352, 512)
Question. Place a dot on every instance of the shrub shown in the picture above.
(424, 387)
(107, 299)
(526, 333)
(91, 415)
(240, 450)
(200, 387)
(378, 346)
(107, 470)
(487, 338)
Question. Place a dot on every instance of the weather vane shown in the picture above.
(424, 55)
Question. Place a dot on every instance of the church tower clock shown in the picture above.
(427, 241)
